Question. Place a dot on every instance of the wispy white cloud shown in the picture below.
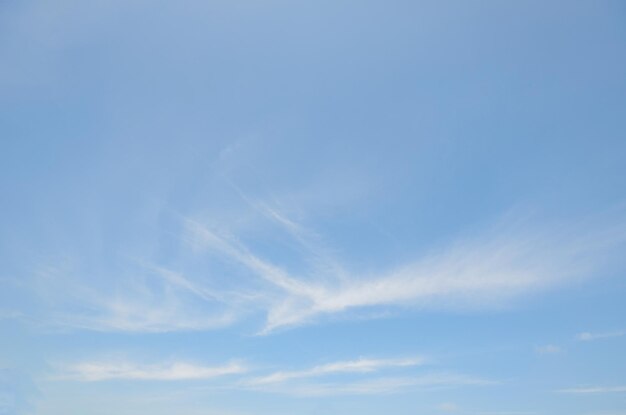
(489, 270)
(486, 271)
(152, 299)
(146, 310)
(352, 366)
(595, 389)
(375, 386)
(309, 240)
(101, 371)
(358, 377)
(586, 336)
(350, 377)
(132, 315)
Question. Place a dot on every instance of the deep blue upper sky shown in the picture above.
(324, 207)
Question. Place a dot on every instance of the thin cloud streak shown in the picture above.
(154, 302)
(376, 386)
(101, 371)
(353, 366)
(135, 318)
(594, 390)
(295, 383)
(146, 311)
(306, 238)
(586, 336)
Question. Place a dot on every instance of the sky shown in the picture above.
(324, 207)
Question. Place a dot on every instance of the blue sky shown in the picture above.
(329, 207)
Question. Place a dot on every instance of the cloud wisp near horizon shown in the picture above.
(587, 336)
(491, 270)
(349, 377)
(120, 370)
(595, 390)
(354, 366)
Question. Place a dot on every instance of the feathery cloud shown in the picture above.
(375, 386)
(148, 300)
(595, 389)
(100, 371)
(490, 270)
(352, 366)
(586, 336)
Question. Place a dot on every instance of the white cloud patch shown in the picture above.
(101, 371)
(586, 336)
(595, 390)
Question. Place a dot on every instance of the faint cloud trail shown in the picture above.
(490, 270)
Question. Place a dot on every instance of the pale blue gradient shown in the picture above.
(324, 192)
